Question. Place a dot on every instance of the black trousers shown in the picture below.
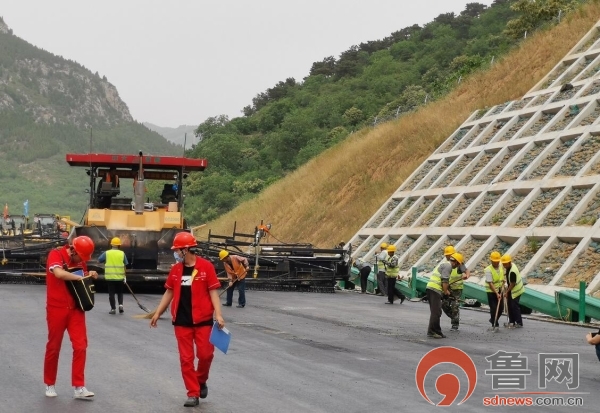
(514, 311)
(364, 278)
(435, 309)
(392, 292)
(115, 287)
(494, 304)
(382, 283)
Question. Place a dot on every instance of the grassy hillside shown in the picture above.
(332, 196)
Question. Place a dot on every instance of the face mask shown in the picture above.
(177, 257)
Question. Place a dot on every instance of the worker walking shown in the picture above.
(451, 305)
(236, 268)
(437, 287)
(115, 262)
(494, 278)
(63, 314)
(365, 269)
(192, 290)
(380, 261)
(513, 292)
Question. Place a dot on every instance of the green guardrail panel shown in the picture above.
(570, 299)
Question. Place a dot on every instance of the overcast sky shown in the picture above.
(180, 61)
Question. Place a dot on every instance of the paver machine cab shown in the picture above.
(146, 229)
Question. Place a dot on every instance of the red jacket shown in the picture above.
(57, 294)
(204, 281)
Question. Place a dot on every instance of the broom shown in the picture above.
(135, 298)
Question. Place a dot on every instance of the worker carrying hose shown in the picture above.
(192, 287)
(236, 268)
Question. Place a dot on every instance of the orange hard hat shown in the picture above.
(183, 240)
(84, 247)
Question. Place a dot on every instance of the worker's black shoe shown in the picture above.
(191, 402)
(112, 311)
(240, 306)
(402, 299)
(203, 391)
(121, 311)
(389, 302)
(226, 305)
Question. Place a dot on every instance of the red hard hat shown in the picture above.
(183, 240)
(84, 247)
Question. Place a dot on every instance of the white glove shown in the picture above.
(124, 279)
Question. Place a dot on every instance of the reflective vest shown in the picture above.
(115, 265)
(435, 280)
(518, 289)
(456, 281)
(392, 269)
(235, 269)
(497, 278)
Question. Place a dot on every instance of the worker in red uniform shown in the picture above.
(192, 292)
(63, 314)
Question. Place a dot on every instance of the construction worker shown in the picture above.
(236, 268)
(191, 289)
(63, 314)
(365, 269)
(380, 261)
(114, 261)
(494, 278)
(513, 292)
(451, 306)
(392, 268)
(437, 287)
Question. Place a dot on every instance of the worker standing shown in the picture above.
(451, 306)
(392, 269)
(513, 292)
(364, 269)
(192, 287)
(63, 314)
(236, 268)
(114, 261)
(380, 261)
(437, 287)
(494, 278)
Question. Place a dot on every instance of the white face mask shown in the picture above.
(177, 257)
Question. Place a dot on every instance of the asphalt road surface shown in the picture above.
(290, 352)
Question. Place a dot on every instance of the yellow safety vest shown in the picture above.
(435, 280)
(497, 278)
(115, 267)
(456, 281)
(518, 289)
(392, 269)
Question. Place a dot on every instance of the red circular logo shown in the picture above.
(447, 384)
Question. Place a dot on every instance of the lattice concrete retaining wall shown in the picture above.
(522, 178)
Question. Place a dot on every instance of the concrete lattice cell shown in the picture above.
(591, 213)
(440, 170)
(588, 43)
(455, 139)
(567, 94)
(580, 157)
(398, 214)
(551, 160)
(483, 161)
(458, 209)
(522, 120)
(585, 267)
(491, 133)
(457, 168)
(414, 256)
(528, 158)
(438, 208)
(495, 171)
(541, 99)
(538, 125)
(591, 118)
(501, 246)
(506, 209)
(427, 167)
(467, 141)
(527, 251)
(594, 87)
(557, 216)
(520, 104)
(551, 263)
(537, 207)
(470, 247)
(383, 215)
(567, 118)
(488, 201)
(414, 215)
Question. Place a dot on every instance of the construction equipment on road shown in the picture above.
(279, 266)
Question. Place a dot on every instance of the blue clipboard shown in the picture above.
(77, 272)
(220, 338)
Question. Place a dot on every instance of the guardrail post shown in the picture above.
(582, 302)
(413, 284)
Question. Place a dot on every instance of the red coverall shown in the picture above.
(62, 314)
(202, 310)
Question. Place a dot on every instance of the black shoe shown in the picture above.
(240, 306)
(191, 402)
(203, 391)
(121, 311)
(389, 302)
(226, 305)
(402, 299)
(112, 311)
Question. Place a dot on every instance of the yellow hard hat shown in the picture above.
(506, 259)
(449, 250)
(458, 257)
(495, 256)
(391, 248)
(115, 242)
(384, 245)
(223, 254)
